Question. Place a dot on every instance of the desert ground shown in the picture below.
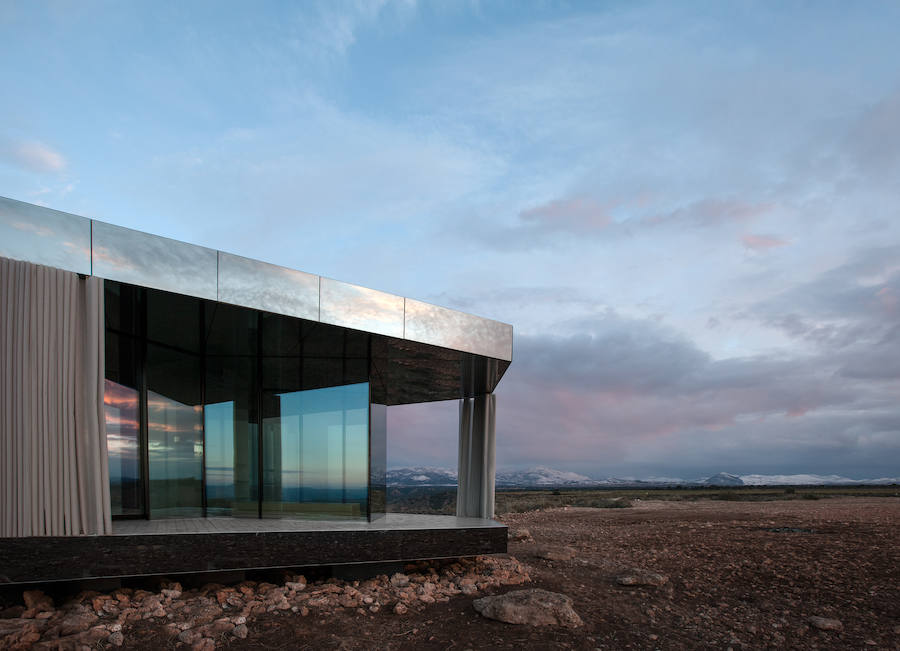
(723, 574)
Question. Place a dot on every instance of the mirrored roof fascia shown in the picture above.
(66, 241)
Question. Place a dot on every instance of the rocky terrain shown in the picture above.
(670, 575)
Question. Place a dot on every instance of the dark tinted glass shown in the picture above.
(173, 320)
(174, 432)
(121, 407)
(122, 307)
(231, 412)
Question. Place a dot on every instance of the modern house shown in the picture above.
(167, 408)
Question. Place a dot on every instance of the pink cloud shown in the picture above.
(579, 215)
(762, 242)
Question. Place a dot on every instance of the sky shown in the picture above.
(688, 211)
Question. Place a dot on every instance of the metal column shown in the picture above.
(477, 448)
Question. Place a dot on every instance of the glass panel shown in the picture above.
(122, 307)
(123, 434)
(173, 320)
(377, 461)
(123, 446)
(232, 434)
(174, 433)
(315, 445)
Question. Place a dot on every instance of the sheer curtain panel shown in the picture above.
(54, 478)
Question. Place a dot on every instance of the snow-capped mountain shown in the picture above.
(421, 476)
(544, 477)
(723, 479)
(813, 480)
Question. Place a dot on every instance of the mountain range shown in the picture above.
(543, 477)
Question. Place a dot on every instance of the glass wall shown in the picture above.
(317, 452)
(123, 444)
(231, 413)
(122, 402)
(189, 382)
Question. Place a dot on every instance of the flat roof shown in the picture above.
(58, 239)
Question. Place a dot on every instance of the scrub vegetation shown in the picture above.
(442, 499)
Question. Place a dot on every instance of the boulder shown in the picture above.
(76, 623)
(825, 624)
(399, 580)
(37, 600)
(556, 553)
(520, 535)
(535, 607)
(641, 577)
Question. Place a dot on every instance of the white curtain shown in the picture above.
(54, 477)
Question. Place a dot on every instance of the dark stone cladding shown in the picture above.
(58, 558)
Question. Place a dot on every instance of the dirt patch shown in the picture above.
(744, 575)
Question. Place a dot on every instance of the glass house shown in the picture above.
(183, 385)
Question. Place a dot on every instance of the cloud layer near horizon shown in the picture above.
(689, 213)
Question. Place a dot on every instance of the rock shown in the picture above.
(116, 638)
(204, 644)
(641, 577)
(76, 623)
(399, 580)
(13, 612)
(240, 631)
(400, 609)
(520, 535)
(189, 636)
(825, 624)
(535, 607)
(556, 554)
(320, 602)
(218, 627)
(37, 600)
(295, 586)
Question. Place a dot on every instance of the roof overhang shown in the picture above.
(422, 352)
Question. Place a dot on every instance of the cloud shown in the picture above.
(632, 395)
(577, 215)
(849, 306)
(762, 242)
(873, 143)
(34, 156)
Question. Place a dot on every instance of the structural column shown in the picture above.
(477, 451)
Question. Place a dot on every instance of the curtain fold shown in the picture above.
(55, 476)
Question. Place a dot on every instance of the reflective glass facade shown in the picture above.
(217, 410)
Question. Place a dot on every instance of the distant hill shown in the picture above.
(723, 479)
(421, 476)
(544, 477)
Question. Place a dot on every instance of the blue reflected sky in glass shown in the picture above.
(219, 420)
(324, 445)
(175, 448)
